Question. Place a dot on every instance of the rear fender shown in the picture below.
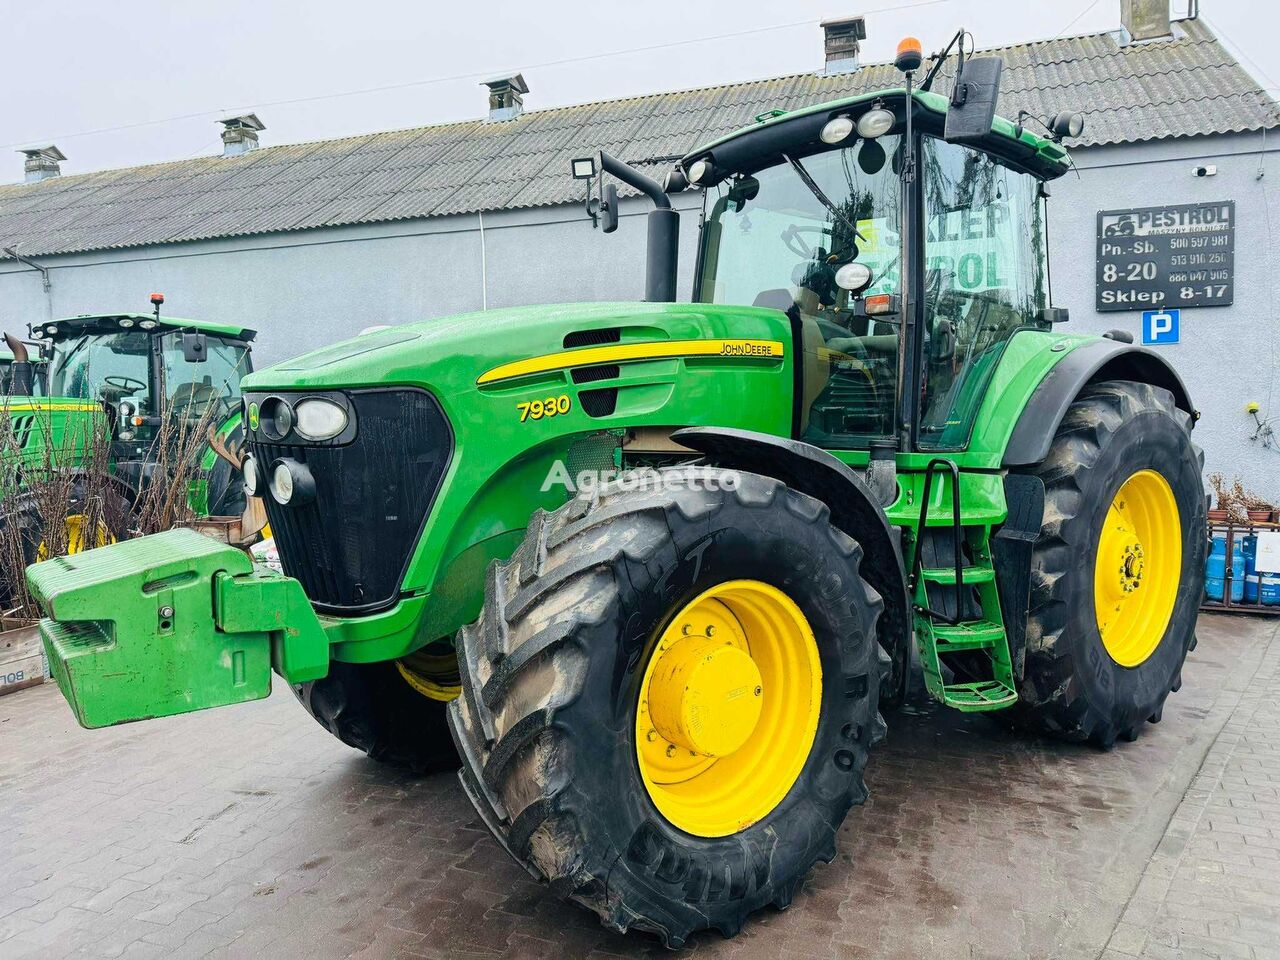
(1093, 362)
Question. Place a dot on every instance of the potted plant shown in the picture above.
(1220, 512)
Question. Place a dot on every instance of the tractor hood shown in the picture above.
(456, 354)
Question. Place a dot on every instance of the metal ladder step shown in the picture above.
(980, 696)
(972, 575)
(969, 635)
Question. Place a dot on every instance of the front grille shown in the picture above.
(350, 545)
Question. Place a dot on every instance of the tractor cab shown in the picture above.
(145, 369)
(906, 243)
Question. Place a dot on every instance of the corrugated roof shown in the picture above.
(1185, 86)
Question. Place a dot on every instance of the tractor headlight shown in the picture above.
(700, 172)
(252, 475)
(291, 482)
(876, 123)
(276, 418)
(317, 419)
(854, 277)
(836, 130)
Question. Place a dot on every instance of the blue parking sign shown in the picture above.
(1160, 326)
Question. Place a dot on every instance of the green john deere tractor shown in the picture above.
(658, 567)
(133, 380)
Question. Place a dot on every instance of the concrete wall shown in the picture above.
(306, 289)
(1228, 356)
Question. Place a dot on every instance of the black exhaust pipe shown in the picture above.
(21, 372)
(663, 247)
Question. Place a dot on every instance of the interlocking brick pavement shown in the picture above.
(1212, 886)
(248, 832)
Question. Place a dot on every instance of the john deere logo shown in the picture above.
(253, 416)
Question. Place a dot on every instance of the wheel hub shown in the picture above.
(1137, 568)
(705, 695)
(728, 708)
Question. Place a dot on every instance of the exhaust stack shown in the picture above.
(663, 248)
(21, 373)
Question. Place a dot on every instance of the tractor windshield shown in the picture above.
(191, 388)
(101, 366)
(118, 366)
(774, 240)
(780, 238)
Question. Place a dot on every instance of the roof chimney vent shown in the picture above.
(240, 134)
(506, 100)
(1145, 19)
(840, 39)
(41, 163)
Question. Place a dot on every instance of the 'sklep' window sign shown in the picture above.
(1156, 258)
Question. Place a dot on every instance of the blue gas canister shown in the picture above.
(1215, 568)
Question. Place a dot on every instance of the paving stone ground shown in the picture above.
(248, 832)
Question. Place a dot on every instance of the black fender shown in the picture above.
(854, 510)
(1102, 359)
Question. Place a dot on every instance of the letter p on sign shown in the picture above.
(1160, 326)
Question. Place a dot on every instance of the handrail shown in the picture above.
(957, 539)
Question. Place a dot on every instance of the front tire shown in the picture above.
(558, 724)
(375, 708)
(1118, 569)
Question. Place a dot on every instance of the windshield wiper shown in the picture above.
(66, 357)
(822, 197)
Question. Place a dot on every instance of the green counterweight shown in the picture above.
(169, 624)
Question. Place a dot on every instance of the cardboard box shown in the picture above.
(22, 662)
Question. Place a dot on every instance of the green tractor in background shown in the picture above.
(118, 387)
(658, 567)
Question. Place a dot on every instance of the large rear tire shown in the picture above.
(1118, 569)
(592, 638)
(373, 707)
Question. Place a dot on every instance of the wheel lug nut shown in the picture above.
(671, 750)
(759, 690)
(652, 735)
(711, 631)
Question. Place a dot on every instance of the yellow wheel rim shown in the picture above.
(1137, 569)
(435, 677)
(728, 708)
(78, 537)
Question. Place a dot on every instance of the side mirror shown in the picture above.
(942, 347)
(973, 100)
(1051, 315)
(195, 348)
(609, 209)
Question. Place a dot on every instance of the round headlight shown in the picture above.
(837, 129)
(291, 482)
(698, 171)
(147, 324)
(276, 418)
(282, 482)
(876, 123)
(319, 419)
(251, 476)
(50, 330)
(853, 277)
(126, 322)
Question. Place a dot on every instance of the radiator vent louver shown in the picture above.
(599, 403)
(606, 371)
(592, 338)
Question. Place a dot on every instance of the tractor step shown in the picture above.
(969, 635)
(976, 697)
(971, 575)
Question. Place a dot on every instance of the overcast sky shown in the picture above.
(79, 66)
